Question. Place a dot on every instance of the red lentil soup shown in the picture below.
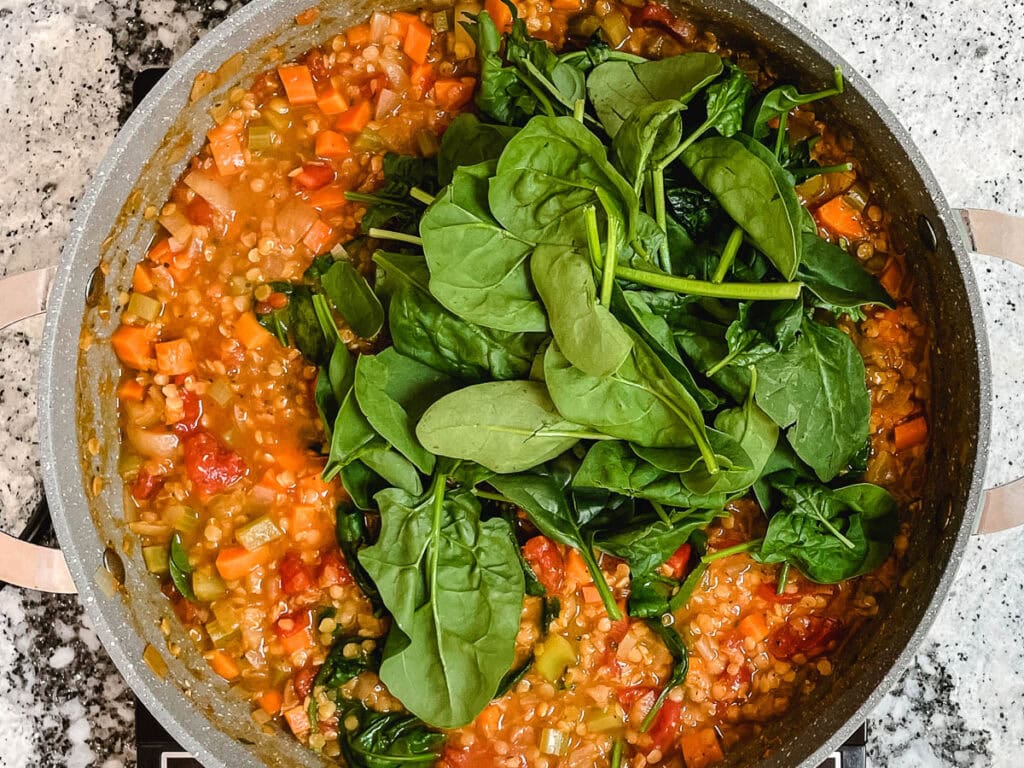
(222, 457)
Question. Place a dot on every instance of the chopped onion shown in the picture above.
(211, 190)
(220, 391)
(396, 73)
(152, 443)
(294, 220)
(387, 103)
(380, 23)
(554, 742)
(179, 227)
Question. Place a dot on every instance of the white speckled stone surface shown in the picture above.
(951, 70)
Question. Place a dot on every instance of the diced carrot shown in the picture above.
(422, 77)
(417, 41)
(359, 36)
(892, 277)
(298, 83)
(174, 357)
(450, 94)
(224, 665)
(590, 593)
(228, 155)
(142, 281)
(754, 626)
(314, 176)
(133, 347)
(400, 23)
(233, 563)
(489, 721)
(130, 389)
(297, 720)
(910, 433)
(270, 701)
(566, 5)
(575, 568)
(332, 144)
(304, 518)
(307, 16)
(161, 252)
(298, 641)
(318, 238)
(332, 102)
(328, 198)
(250, 332)
(355, 118)
(841, 219)
(269, 482)
(500, 14)
(701, 748)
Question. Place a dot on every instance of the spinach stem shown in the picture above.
(610, 257)
(387, 234)
(577, 109)
(746, 546)
(662, 513)
(818, 170)
(652, 713)
(593, 236)
(732, 247)
(422, 196)
(836, 532)
(601, 583)
(741, 291)
(616, 757)
(658, 190)
(535, 89)
(437, 507)
(362, 197)
(780, 137)
(492, 496)
(684, 145)
(686, 589)
(322, 310)
(783, 575)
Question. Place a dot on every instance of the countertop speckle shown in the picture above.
(950, 69)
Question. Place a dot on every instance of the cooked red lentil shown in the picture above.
(223, 438)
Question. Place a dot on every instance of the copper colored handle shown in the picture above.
(1002, 235)
(22, 563)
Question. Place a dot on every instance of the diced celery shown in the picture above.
(156, 559)
(554, 656)
(602, 721)
(441, 21)
(615, 28)
(280, 123)
(207, 584)
(144, 307)
(258, 532)
(182, 518)
(219, 635)
(554, 742)
(261, 138)
(225, 615)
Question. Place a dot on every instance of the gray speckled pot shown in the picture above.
(76, 403)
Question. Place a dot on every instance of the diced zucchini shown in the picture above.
(144, 307)
(554, 742)
(225, 615)
(156, 559)
(615, 28)
(184, 519)
(261, 138)
(220, 636)
(280, 123)
(258, 532)
(554, 656)
(441, 21)
(207, 584)
(602, 721)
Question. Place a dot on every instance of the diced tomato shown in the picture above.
(314, 176)
(334, 570)
(701, 748)
(657, 15)
(676, 565)
(291, 624)
(475, 756)
(296, 576)
(212, 467)
(809, 636)
(200, 212)
(303, 681)
(146, 485)
(355, 118)
(616, 634)
(546, 562)
(192, 407)
(667, 725)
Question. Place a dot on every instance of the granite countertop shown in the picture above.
(950, 69)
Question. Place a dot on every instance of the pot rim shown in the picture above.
(57, 391)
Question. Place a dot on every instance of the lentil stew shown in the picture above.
(323, 380)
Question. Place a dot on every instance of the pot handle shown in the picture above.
(23, 563)
(1001, 235)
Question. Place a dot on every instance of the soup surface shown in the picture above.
(317, 477)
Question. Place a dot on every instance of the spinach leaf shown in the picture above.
(749, 184)
(455, 590)
(640, 402)
(838, 279)
(612, 466)
(421, 328)
(467, 141)
(727, 101)
(646, 137)
(695, 209)
(545, 503)
(548, 174)
(338, 668)
(350, 529)
(545, 71)
(619, 88)
(391, 207)
(333, 382)
(296, 323)
(350, 436)
(506, 426)
(782, 100)
(501, 94)
(478, 268)
(646, 544)
(393, 391)
(180, 568)
(587, 333)
(816, 388)
(387, 739)
(391, 466)
(360, 483)
(353, 297)
(830, 535)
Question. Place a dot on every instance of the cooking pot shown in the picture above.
(79, 438)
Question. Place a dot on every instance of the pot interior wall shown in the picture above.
(143, 164)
